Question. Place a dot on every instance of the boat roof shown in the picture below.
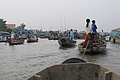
(4, 33)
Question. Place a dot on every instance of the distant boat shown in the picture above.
(23, 36)
(53, 35)
(32, 39)
(65, 42)
(76, 71)
(115, 35)
(16, 41)
(3, 36)
(43, 34)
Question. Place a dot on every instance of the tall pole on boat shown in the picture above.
(61, 26)
(41, 28)
(85, 49)
(64, 23)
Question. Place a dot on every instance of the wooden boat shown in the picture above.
(53, 35)
(32, 39)
(16, 41)
(65, 42)
(98, 46)
(76, 71)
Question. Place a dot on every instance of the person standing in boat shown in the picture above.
(102, 34)
(12, 37)
(94, 27)
(88, 30)
(94, 30)
(71, 35)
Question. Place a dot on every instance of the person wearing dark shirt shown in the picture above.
(94, 27)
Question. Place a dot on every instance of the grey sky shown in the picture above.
(52, 14)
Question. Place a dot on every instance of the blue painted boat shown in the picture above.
(3, 36)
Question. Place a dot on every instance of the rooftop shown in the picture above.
(116, 30)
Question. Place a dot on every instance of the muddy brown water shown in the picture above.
(20, 62)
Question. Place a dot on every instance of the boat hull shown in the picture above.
(94, 49)
(16, 42)
(30, 41)
(76, 71)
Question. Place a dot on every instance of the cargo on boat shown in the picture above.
(96, 44)
(96, 47)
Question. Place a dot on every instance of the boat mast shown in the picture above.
(64, 23)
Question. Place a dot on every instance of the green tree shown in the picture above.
(2, 25)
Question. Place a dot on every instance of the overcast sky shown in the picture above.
(55, 14)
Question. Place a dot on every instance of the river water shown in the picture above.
(20, 62)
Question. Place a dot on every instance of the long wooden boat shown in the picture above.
(98, 46)
(32, 39)
(76, 71)
(65, 42)
(16, 41)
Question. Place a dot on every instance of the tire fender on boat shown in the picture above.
(63, 40)
(73, 60)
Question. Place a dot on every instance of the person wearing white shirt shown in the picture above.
(88, 30)
(71, 35)
(12, 37)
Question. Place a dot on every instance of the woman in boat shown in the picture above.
(88, 30)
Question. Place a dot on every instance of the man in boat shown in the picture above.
(71, 35)
(103, 35)
(12, 37)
